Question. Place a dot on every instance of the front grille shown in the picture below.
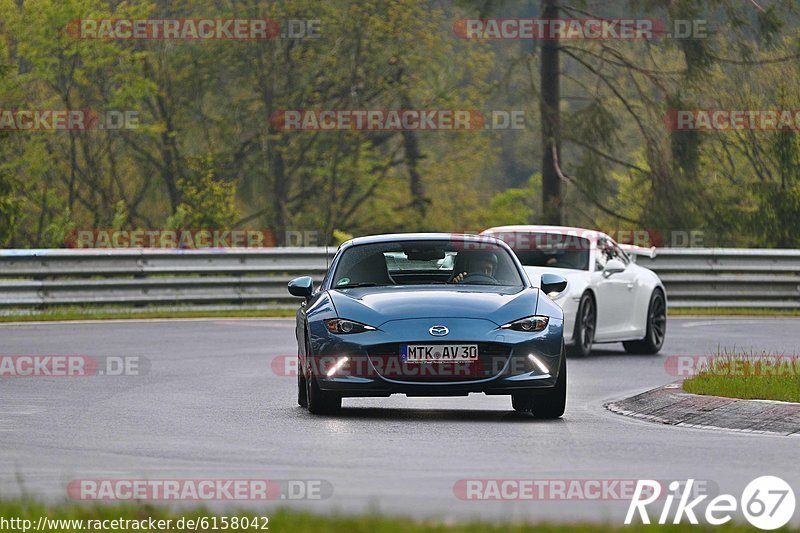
(492, 358)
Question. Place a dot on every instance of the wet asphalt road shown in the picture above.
(211, 406)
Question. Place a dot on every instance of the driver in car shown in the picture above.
(482, 264)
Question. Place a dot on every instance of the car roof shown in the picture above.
(399, 237)
(590, 234)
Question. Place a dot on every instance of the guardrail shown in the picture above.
(136, 277)
(40, 279)
(728, 277)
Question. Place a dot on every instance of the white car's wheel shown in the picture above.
(656, 327)
(585, 323)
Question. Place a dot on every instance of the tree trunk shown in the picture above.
(551, 132)
(419, 202)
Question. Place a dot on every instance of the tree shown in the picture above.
(550, 101)
(10, 199)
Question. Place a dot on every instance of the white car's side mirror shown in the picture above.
(614, 266)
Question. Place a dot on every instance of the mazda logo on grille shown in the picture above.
(438, 331)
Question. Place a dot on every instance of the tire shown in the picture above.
(656, 327)
(318, 401)
(522, 402)
(585, 324)
(552, 403)
(302, 393)
(321, 402)
(547, 404)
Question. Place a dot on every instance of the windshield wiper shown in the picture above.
(354, 285)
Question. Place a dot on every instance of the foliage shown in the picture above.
(340, 236)
(208, 203)
(514, 205)
(206, 152)
(10, 208)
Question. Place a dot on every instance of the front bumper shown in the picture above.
(569, 305)
(509, 361)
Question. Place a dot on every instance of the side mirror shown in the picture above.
(614, 266)
(553, 284)
(302, 286)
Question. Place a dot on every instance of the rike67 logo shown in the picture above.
(768, 502)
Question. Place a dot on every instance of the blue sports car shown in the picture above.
(430, 315)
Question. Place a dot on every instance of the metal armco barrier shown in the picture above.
(728, 277)
(47, 278)
(38, 279)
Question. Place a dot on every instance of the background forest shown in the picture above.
(205, 153)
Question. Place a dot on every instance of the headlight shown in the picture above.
(529, 324)
(342, 326)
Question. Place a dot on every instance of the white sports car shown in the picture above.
(609, 298)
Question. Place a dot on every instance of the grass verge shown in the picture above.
(293, 521)
(78, 313)
(731, 311)
(749, 377)
(100, 313)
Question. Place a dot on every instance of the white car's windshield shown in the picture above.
(557, 250)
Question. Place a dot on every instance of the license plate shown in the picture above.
(438, 353)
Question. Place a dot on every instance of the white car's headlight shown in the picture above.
(528, 324)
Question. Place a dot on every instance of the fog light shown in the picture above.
(539, 364)
(338, 366)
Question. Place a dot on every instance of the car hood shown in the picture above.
(377, 305)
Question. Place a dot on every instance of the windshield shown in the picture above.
(425, 262)
(555, 250)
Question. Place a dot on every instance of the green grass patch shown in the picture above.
(78, 313)
(751, 377)
(300, 522)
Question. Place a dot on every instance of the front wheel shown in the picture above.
(302, 396)
(522, 402)
(321, 402)
(553, 403)
(548, 404)
(656, 327)
(585, 322)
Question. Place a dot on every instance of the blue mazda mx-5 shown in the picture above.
(430, 315)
